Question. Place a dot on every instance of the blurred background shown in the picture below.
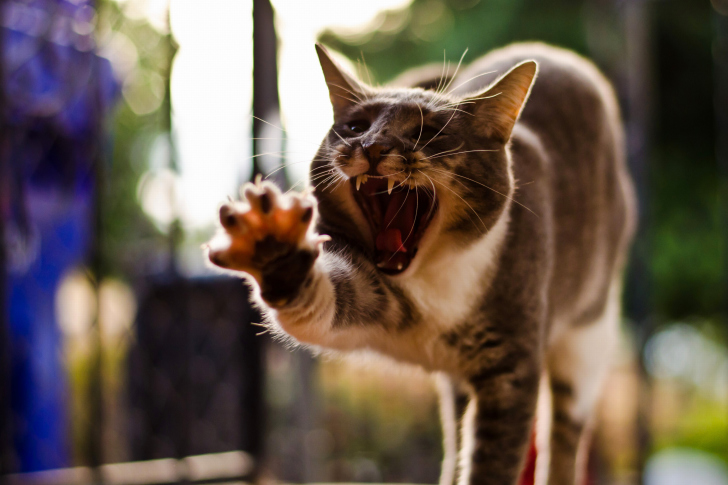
(123, 125)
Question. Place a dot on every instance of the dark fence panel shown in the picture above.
(195, 375)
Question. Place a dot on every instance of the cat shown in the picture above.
(478, 229)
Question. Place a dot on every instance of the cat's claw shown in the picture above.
(263, 226)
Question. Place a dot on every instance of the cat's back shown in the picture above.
(571, 106)
(572, 122)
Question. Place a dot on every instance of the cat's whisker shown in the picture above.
(281, 154)
(466, 202)
(268, 123)
(304, 179)
(321, 175)
(325, 180)
(286, 165)
(442, 73)
(337, 183)
(287, 137)
(340, 137)
(348, 91)
(450, 106)
(434, 192)
(328, 181)
(347, 98)
(342, 180)
(293, 187)
(457, 153)
(485, 97)
(456, 109)
(366, 68)
(444, 152)
(438, 133)
(483, 185)
(336, 177)
(443, 79)
(472, 78)
(422, 127)
(456, 71)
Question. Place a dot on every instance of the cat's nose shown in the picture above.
(374, 151)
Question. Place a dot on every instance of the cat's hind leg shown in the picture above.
(577, 364)
(498, 423)
(453, 403)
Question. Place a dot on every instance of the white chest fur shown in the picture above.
(449, 283)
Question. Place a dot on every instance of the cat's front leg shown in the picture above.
(499, 420)
(267, 235)
(329, 298)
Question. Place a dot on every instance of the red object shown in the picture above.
(528, 474)
(529, 470)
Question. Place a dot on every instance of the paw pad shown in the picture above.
(263, 214)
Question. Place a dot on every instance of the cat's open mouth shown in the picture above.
(398, 216)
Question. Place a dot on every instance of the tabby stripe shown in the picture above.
(561, 387)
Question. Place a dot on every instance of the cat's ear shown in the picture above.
(497, 108)
(344, 90)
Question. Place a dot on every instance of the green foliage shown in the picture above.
(683, 219)
(401, 39)
(128, 237)
(703, 425)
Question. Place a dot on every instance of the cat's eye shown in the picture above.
(358, 126)
(428, 133)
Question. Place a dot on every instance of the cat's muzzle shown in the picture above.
(398, 216)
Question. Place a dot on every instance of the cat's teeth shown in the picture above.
(390, 186)
(361, 179)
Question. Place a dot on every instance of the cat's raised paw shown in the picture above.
(264, 227)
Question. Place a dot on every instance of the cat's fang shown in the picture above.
(390, 186)
(359, 179)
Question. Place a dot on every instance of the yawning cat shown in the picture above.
(460, 229)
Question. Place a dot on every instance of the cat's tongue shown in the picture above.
(398, 219)
(397, 230)
(391, 240)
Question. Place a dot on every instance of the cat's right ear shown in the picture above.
(344, 90)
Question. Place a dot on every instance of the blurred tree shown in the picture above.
(141, 54)
(687, 261)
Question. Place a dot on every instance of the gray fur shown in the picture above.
(535, 216)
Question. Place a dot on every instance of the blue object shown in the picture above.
(58, 91)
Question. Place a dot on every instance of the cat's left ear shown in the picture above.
(497, 108)
(344, 90)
